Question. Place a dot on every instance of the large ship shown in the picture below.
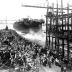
(29, 23)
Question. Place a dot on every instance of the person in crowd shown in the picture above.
(57, 62)
(49, 63)
(7, 58)
(45, 62)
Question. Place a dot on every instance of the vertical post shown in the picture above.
(68, 15)
(62, 48)
(52, 22)
(62, 12)
(62, 30)
(57, 28)
(71, 20)
(65, 23)
(55, 43)
(50, 31)
(57, 16)
(68, 34)
(47, 27)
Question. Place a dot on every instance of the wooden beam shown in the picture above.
(43, 7)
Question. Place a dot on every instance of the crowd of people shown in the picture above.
(15, 50)
(18, 51)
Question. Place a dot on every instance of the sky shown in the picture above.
(13, 10)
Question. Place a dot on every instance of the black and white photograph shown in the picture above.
(35, 36)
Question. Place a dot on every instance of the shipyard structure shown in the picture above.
(59, 34)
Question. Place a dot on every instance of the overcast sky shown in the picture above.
(13, 9)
